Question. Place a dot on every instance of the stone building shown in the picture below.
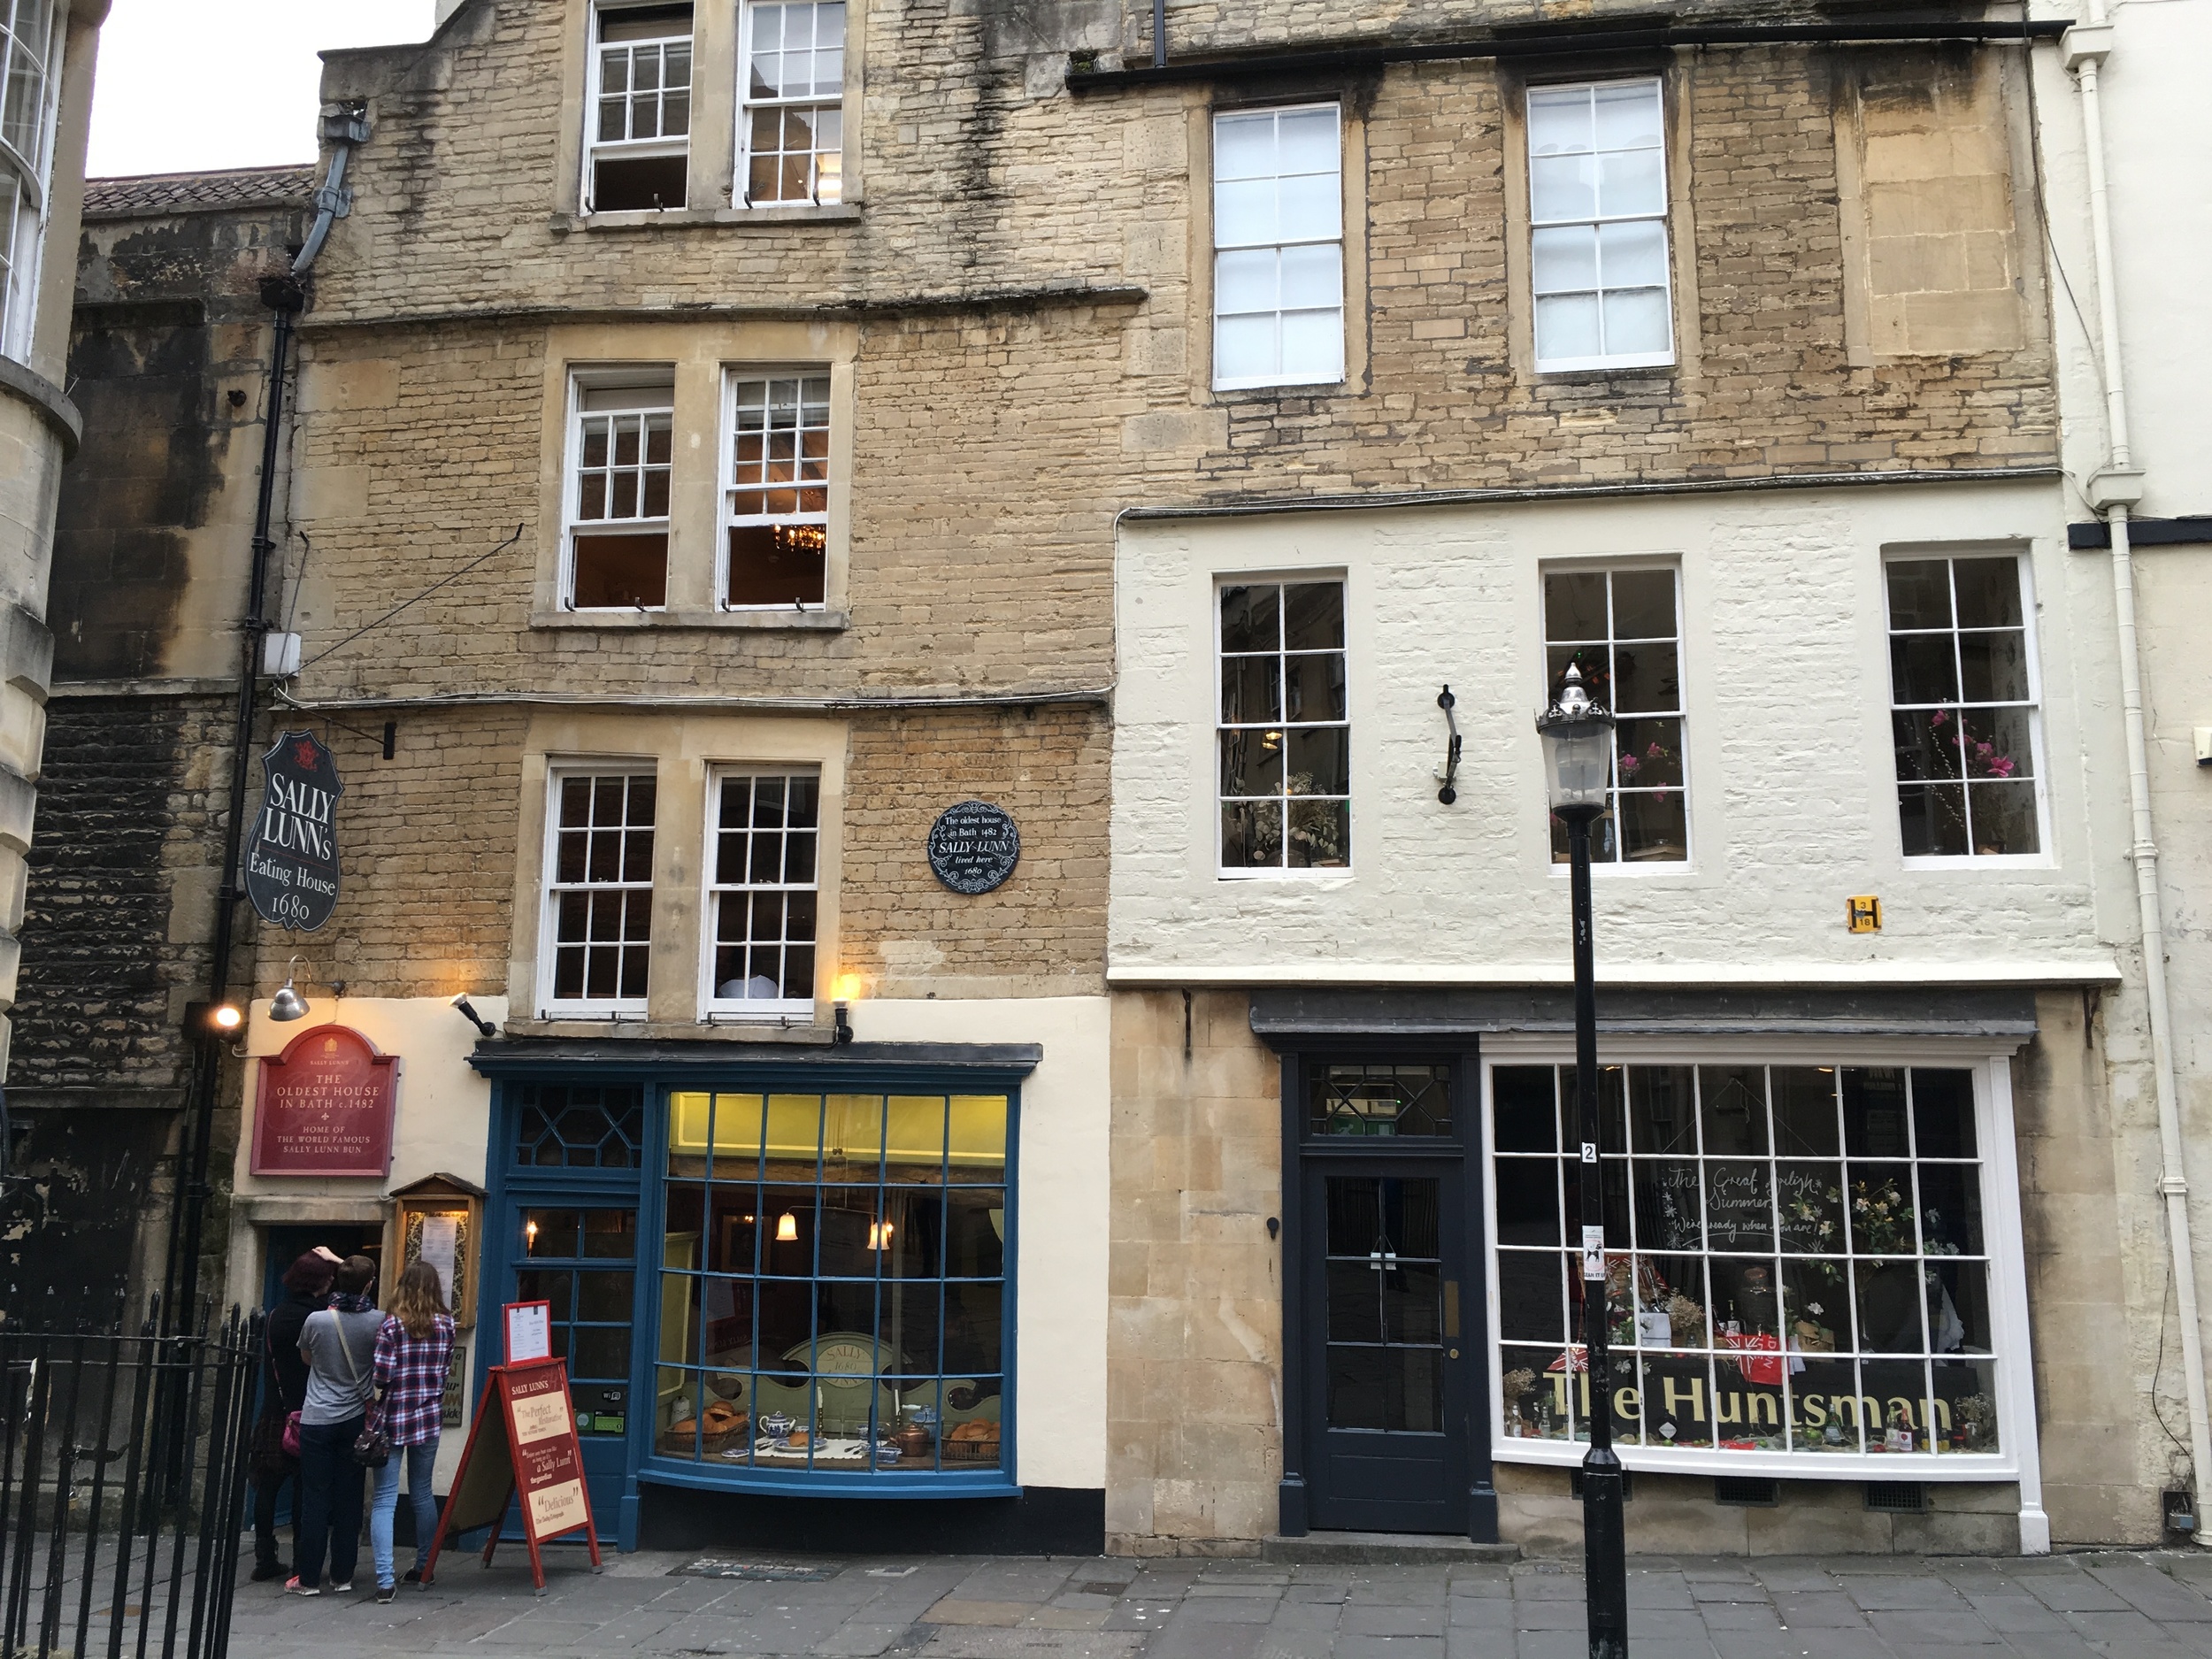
(49, 47)
(732, 441)
(168, 358)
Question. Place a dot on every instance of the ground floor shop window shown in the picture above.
(1800, 1259)
(833, 1286)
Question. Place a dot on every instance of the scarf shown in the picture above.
(348, 1302)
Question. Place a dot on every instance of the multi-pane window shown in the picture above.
(29, 42)
(582, 1263)
(1369, 1099)
(617, 535)
(834, 1298)
(1283, 741)
(581, 1126)
(1597, 176)
(762, 892)
(639, 118)
(793, 119)
(1963, 707)
(1622, 629)
(599, 892)
(777, 494)
(1279, 248)
(1797, 1258)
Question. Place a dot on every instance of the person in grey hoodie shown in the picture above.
(339, 1345)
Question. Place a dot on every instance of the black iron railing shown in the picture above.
(122, 1489)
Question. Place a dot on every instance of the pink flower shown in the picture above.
(1628, 764)
(1938, 717)
(1655, 753)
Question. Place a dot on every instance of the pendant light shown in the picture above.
(787, 1228)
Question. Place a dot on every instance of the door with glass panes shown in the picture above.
(580, 1257)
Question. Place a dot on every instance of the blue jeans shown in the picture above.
(420, 1459)
(330, 1500)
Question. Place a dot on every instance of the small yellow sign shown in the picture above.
(1864, 914)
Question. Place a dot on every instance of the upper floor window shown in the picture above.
(1622, 629)
(30, 40)
(1279, 248)
(639, 125)
(763, 888)
(793, 127)
(776, 493)
(1963, 707)
(1597, 179)
(621, 451)
(1283, 737)
(599, 892)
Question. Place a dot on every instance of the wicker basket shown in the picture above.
(971, 1451)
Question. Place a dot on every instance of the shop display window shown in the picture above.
(1797, 1259)
(834, 1283)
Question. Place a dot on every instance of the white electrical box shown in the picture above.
(279, 655)
(2204, 745)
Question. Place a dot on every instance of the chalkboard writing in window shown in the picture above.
(974, 847)
(1739, 1214)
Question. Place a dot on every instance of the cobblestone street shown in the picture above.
(2117, 1606)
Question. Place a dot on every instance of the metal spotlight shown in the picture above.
(467, 1010)
(289, 1003)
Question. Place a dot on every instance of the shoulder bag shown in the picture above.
(372, 1447)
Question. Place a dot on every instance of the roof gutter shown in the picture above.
(1580, 43)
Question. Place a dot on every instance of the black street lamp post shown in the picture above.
(1577, 736)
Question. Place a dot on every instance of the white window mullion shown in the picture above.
(775, 490)
(791, 120)
(763, 893)
(596, 943)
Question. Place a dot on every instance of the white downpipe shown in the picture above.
(2124, 488)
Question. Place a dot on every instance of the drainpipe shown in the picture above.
(345, 127)
(2116, 488)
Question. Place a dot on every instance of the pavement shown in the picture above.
(2151, 1605)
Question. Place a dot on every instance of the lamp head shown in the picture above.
(287, 1004)
(467, 1010)
(1578, 734)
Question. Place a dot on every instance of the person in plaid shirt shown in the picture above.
(414, 1351)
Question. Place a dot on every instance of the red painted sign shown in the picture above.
(537, 1458)
(324, 1106)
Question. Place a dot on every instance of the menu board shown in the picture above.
(534, 1453)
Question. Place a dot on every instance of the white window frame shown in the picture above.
(783, 1011)
(741, 181)
(1664, 218)
(2045, 857)
(727, 517)
(23, 220)
(551, 887)
(1222, 383)
(1638, 868)
(2017, 1458)
(1215, 726)
(610, 377)
(594, 148)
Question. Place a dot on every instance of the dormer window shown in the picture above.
(639, 139)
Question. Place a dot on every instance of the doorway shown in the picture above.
(1383, 1316)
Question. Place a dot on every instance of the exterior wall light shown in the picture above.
(289, 1003)
(1449, 776)
(467, 1011)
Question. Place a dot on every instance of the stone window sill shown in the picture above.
(734, 218)
(740, 621)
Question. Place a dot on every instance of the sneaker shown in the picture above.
(413, 1576)
(343, 1589)
(386, 1592)
(292, 1587)
(264, 1570)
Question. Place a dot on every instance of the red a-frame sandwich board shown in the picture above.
(535, 1453)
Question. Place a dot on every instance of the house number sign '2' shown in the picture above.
(974, 847)
(292, 861)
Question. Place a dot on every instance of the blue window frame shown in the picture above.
(883, 1321)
